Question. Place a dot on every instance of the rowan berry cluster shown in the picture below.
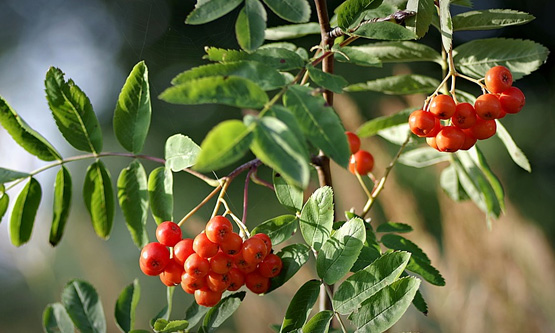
(214, 261)
(361, 161)
(466, 123)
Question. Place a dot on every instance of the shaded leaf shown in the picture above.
(514, 151)
(420, 303)
(216, 316)
(62, 203)
(370, 251)
(24, 212)
(293, 257)
(396, 242)
(210, 10)
(160, 194)
(394, 227)
(133, 200)
(279, 229)
(24, 135)
(300, 306)
(132, 115)
(165, 312)
(7, 175)
(319, 323)
(449, 181)
(426, 271)
(317, 217)
(83, 306)
(398, 85)
(126, 305)
(195, 313)
(490, 19)
(56, 320)
(423, 157)
(288, 195)
(163, 326)
(99, 198)
(181, 152)
(340, 251)
(275, 57)
(375, 125)
(357, 56)
(399, 51)
(223, 145)
(384, 31)
(462, 3)
(420, 23)
(297, 11)
(250, 25)
(292, 31)
(351, 12)
(446, 25)
(73, 112)
(328, 81)
(288, 118)
(4, 202)
(495, 183)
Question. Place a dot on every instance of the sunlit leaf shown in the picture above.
(317, 217)
(356, 56)
(84, 307)
(210, 10)
(99, 198)
(56, 320)
(319, 323)
(375, 125)
(164, 326)
(446, 25)
(218, 314)
(400, 51)
(275, 57)
(160, 194)
(351, 12)
(24, 212)
(126, 305)
(384, 31)
(288, 195)
(292, 31)
(133, 200)
(420, 22)
(297, 11)
(423, 157)
(293, 257)
(181, 152)
(398, 85)
(514, 151)
(449, 181)
(279, 229)
(490, 19)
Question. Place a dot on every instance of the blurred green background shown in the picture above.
(498, 280)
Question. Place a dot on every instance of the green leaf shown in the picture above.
(293, 257)
(339, 253)
(351, 12)
(365, 283)
(250, 25)
(279, 229)
(165, 312)
(292, 31)
(449, 181)
(398, 85)
(7, 175)
(490, 19)
(297, 11)
(132, 113)
(24, 135)
(24, 212)
(4, 202)
(195, 313)
(126, 305)
(300, 306)
(420, 303)
(425, 270)
(399, 51)
(163, 326)
(210, 10)
(265, 76)
(224, 144)
(83, 306)
(423, 157)
(521, 57)
(465, 97)
(160, 194)
(480, 159)
(288, 118)
(320, 123)
(56, 320)
(62, 203)
(396, 242)
(277, 146)
(394, 227)
(398, 134)
(446, 25)
(73, 112)
(328, 81)
(228, 90)
(317, 217)
(514, 151)
(375, 125)
(181, 152)
(319, 323)
(354, 55)
(420, 23)
(370, 251)
(383, 309)
(133, 200)
(288, 195)
(462, 3)
(223, 310)
(99, 198)
(384, 31)
(275, 57)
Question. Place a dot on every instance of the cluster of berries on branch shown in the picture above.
(361, 161)
(214, 261)
(449, 127)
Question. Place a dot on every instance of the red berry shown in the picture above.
(266, 240)
(171, 275)
(190, 283)
(512, 100)
(168, 233)
(469, 141)
(354, 142)
(236, 279)
(483, 129)
(498, 79)
(271, 266)
(421, 123)
(431, 141)
(488, 107)
(254, 250)
(196, 265)
(242, 265)
(182, 250)
(232, 244)
(207, 297)
(450, 139)
(464, 116)
(218, 229)
(362, 162)
(154, 258)
(257, 283)
(217, 282)
(221, 263)
(204, 247)
(443, 106)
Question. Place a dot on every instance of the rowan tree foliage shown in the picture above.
(368, 272)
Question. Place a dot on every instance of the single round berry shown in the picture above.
(266, 240)
(483, 129)
(488, 107)
(257, 283)
(232, 244)
(469, 141)
(218, 229)
(154, 258)
(171, 275)
(443, 106)
(207, 297)
(431, 141)
(254, 250)
(168, 233)
(512, 100)
(182, 250)
(464, 116)
(190, 283)
(498, 79)
(450, 139)
(242, 265)
(217, 282)
(271, 266)
(354, 141)
(421, 122)
(204, 247)
(362, 162)
(236, 279)
(196, 265)
(221, 263)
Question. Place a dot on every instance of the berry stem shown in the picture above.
(246, 194)
(244, 230)
(199, 206)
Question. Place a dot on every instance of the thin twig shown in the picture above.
(399, 17)
(259, 181)
(199, 206)
(328, 292)
(246, 194)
